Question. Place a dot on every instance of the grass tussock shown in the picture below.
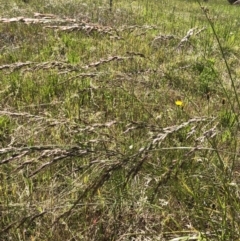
(119, 120)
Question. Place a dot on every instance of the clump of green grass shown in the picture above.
(121, 124)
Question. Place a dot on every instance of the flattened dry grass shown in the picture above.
(121, 124)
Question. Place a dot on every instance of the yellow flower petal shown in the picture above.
(179, 103)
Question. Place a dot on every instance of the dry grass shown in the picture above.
(119, 124)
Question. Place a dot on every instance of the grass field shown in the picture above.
(119, 124)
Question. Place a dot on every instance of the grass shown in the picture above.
(121, 124)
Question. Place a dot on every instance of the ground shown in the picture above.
(121, 122)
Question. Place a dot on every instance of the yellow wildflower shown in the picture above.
(179, 103)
